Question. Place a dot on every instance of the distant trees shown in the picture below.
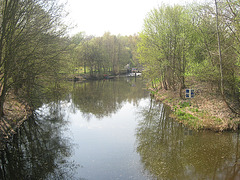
(100, 55)
(31, 43)
(178, 42)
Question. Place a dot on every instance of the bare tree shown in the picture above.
(29, 33)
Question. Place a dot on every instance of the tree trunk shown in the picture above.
(220, 62)
(85, 68)
(2, 97)
(219, 50)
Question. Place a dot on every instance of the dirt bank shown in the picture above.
(207, 110)
(15, 113)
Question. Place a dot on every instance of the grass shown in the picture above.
(190, 115)
(153, 93)
(184, 104)
(217, 120)
(196, 119)
(188, 119)
(207, 110)
(194, 110)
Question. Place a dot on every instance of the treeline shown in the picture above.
(177, 42)
(32, 45)
(36, 53)
(105, 54)
(195, 41)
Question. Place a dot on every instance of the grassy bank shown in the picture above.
(207, 110)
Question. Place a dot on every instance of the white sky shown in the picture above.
(124, 17)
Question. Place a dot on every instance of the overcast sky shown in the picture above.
(123, 17)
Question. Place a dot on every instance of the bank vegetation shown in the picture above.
(195, 47)
(32, 48)
(104, 55)
(36, 54)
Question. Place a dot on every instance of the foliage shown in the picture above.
(163, 45)
(184, 104)
(31, 46)
(179, 41)
(101, 55)
(188, 119)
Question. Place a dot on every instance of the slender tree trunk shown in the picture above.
(3, 95)
(219, 50)
(85, 68)
(220, 61)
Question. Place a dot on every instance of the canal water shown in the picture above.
(112, 129)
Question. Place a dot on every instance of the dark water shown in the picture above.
(112, 129)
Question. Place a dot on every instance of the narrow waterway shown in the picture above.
(112, 129)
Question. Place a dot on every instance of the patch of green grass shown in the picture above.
(168, 100)
(194, 109)
(153, 92)
(184, 104)
(175, 108)
(180, 114)
(236, 122)
(201, 114)
(185, 116)
(217, 120)
(188, 119)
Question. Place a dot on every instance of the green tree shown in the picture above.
(164, 45)
(30, 44)
(132, 44)
(101, 54)
(217, 30)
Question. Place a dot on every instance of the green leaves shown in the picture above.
(164, 44)
(181, 41)
(31, 45)
(102, 54)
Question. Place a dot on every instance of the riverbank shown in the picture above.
(15, 113)
(206, 111)
(87, 77)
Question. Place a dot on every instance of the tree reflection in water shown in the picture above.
(39, 151)
(170, 151)
(104, 98)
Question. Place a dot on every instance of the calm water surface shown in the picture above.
(112, 129)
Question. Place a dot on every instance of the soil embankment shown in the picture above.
(207, 110)
(15, 113)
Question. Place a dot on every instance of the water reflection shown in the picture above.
(170, 151)
(39, 151)
(104, 98)
(43, 150)
(105, 149)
